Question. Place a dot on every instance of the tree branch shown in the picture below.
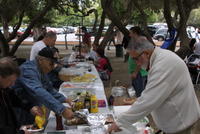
(101, 26)
(14, 33)
(107, 6)
(167, 14)
(144, 20)
(48, 7)
(3, 45)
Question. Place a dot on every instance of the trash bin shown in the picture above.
(119, 50)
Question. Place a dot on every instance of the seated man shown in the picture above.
(34, 85)
(9, 72)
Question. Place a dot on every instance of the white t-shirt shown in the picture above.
(37, 46)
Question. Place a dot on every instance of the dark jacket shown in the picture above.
(8, 122)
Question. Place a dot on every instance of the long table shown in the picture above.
(96, 85)
(98, 88)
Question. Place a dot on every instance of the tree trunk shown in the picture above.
(94, 29)
(184, 11)
(16, 27)
(184, 49)
(101, 26)
(3, 45)
(108, 35)
(5, 27)
(116, 20)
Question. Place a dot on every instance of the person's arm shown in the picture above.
(53, 91)
(32, 84)
(156, 92)
(33, 52)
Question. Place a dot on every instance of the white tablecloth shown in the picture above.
(97, 86)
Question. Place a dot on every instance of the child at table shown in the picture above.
(103, 65)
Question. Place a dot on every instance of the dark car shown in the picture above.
(152, 29)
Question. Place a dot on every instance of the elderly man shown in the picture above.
(48, 40)
(169, 94)
(9, 72)
(34, 84)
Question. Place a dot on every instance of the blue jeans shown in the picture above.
(139, 84)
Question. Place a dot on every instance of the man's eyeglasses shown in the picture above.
(136, 58)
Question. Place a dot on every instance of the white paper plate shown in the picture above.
(35, 130)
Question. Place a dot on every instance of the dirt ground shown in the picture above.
(121, 73)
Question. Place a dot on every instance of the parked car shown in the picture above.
(161, 34)
(152, 29)
(22, 30)
(68, 29)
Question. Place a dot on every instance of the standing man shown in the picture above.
(9, 72)
(34, 84)
(169, 94)
(138, 74)
(48, 40)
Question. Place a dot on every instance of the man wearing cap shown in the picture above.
(34, 85)
(48, 40)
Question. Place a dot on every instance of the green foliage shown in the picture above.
(152, 17)
(194, 18)
(37, 6)
(10, 9)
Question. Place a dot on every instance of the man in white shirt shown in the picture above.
(169, 95)
(49, 40)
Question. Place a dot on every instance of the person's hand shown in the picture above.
(134, 75)
(128, 101)
(25, 129)
(36, 110)
(67, 113)
(69, 101)
(27, 132)
(113, 127)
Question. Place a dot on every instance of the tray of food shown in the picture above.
(70, 85)
(87, 77)
(83, 117)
